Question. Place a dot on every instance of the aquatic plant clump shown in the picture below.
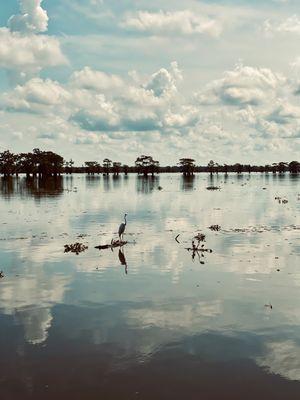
(212, 188)
(215, 228)
(75, 248)
(200, 237)
(281, 201)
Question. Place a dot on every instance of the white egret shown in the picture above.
(122, 228)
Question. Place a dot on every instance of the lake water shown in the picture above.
(152, 321)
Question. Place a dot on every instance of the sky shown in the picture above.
(90, 79)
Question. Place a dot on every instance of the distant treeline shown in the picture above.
(46, 163)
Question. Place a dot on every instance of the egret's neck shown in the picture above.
(125, 219)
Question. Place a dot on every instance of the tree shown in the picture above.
(69, 166)
(125, 169)
(8, 163)
(211, 166)
(92, 167)
(238, 168)
(48, 163)
(187, 166)
(27, 163)
(44, 163)
(268, 168)
(294, 167)
(116, 168)
(281, 167)
(107, 165)
(146, 165)
(248, 168)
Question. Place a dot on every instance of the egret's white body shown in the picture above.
(122, 228)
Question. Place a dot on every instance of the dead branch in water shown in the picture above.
(198, 249)
(177, 238)
(112, 245)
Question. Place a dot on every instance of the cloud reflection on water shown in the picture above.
(165, 296)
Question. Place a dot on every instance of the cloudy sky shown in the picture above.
(214, 79)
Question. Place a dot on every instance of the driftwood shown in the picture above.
(177, 238)
(269, 306)
(112, 245)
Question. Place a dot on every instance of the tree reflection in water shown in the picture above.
(187, 182)
(37, 188)
(146, 184)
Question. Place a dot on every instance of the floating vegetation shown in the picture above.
(112, 245)
(16, 238)
(263, 228)
(213, 188)
(214, 228)
(281, 201)
(200, 237)
(1, 274)
(75, 248)
(82, 235)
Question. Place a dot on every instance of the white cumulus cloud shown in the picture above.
(28, 53)
(243, 86)
(37, 95)
(87, 78)
(24, 51)
(32, 18)
(289, 25)
(183, 22)
(164, 82)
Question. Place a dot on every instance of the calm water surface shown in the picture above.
(151, 321)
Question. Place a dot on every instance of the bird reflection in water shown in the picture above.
(122, 259)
